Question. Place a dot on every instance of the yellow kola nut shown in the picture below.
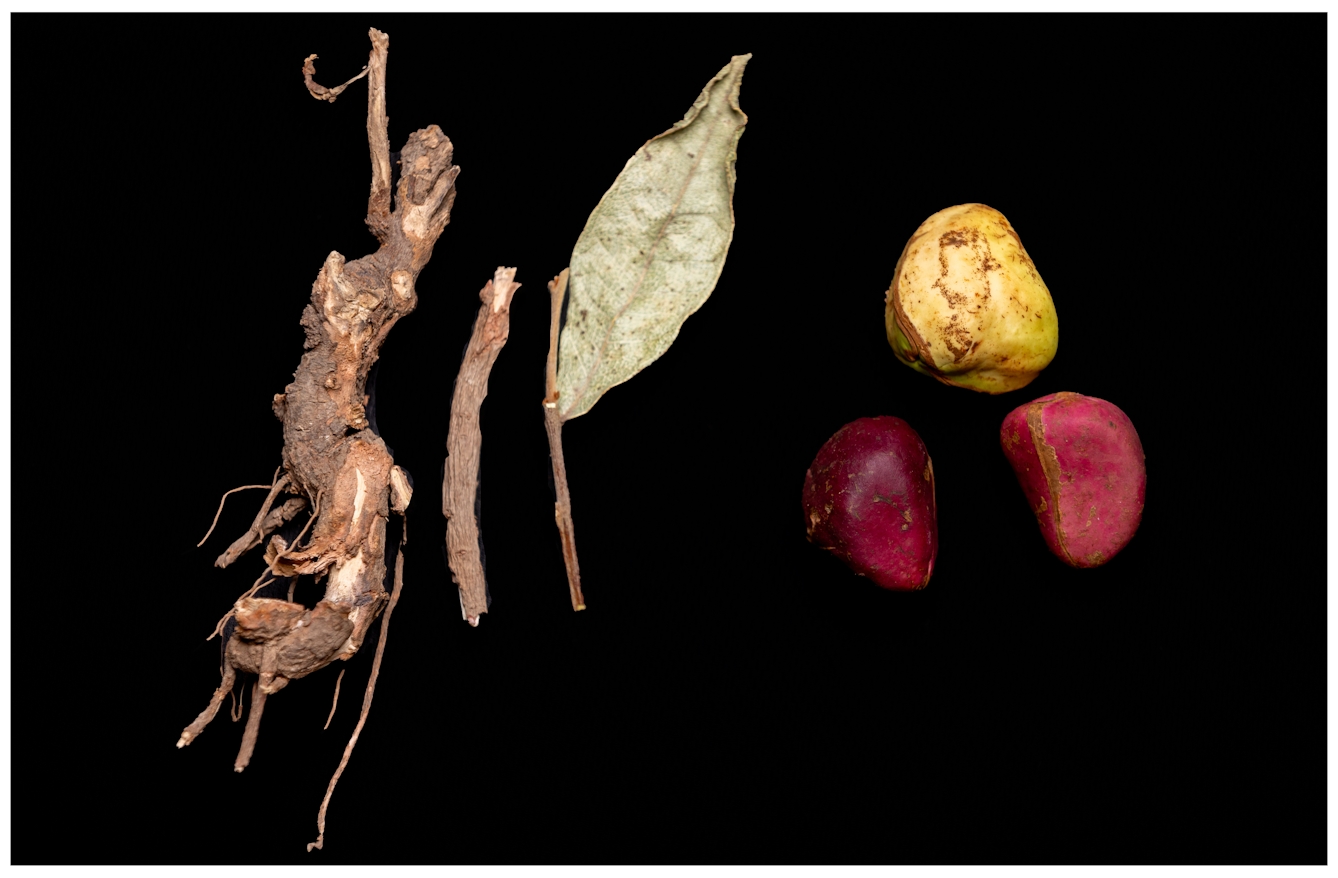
(967, 304)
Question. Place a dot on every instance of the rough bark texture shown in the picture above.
(463, 443)
(261, 528)
(366, 697)
(333, 461)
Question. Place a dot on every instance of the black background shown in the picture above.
(732, 694)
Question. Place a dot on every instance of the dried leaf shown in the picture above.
(653, 248)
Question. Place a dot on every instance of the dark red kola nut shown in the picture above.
(869, 500)
(1081, 466)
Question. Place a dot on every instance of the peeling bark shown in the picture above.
(464, 441)
(333, 461)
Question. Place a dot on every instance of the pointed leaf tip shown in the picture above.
(653, 248)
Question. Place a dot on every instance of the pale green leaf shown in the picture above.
(653, 248)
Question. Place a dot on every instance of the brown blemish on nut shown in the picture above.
(954, 238)
(1049, 466)
(919, 346)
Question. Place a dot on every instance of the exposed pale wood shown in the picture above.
(333, 461)
(366, 699)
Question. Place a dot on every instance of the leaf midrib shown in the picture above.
(650, 257)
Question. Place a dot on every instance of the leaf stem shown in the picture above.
(557, 289)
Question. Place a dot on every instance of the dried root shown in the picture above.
(366, 701)
(334, 703)
(334, 462)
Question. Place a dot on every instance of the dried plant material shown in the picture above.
(648, 257)
(459, 489)
(967, 306)
(334, 702)
(262, 528)
(224, 499)
(653, 248)
(320, 92)
(557, 289)
(334, 462)
(366, 699)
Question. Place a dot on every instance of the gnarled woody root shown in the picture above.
(333, 459)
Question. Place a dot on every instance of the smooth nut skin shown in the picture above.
(1080, 463)
(967, 306)
(869, 500)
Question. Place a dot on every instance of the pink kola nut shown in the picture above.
(1080, 464)
(869, 499)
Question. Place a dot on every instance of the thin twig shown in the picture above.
(562, 508)
(315, 512)
(557, 289)
(366, 698)
(335, 703)
(277, 518)
(245, 542)
(274, 490)
(223, 500)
